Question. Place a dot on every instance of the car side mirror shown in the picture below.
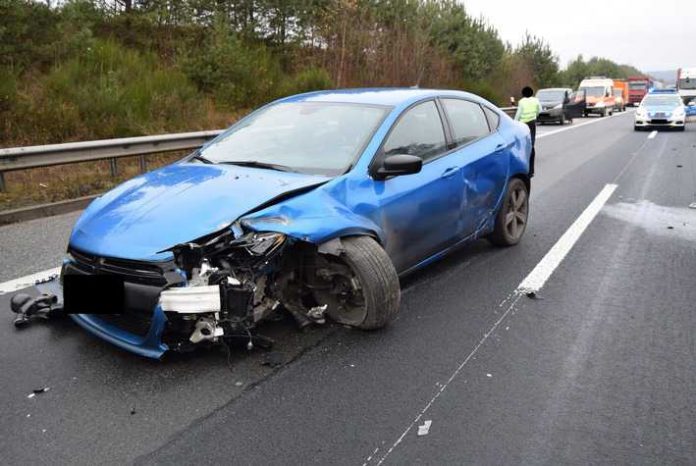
(400, 164)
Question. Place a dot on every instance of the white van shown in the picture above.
(599, 92)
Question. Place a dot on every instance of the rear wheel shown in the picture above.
(362, 286)
(511, 220)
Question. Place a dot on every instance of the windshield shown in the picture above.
(550, 94)
(597, 91)
(636, 85)
(618, 93)
(687, 83)
(670, 101)
(308, 137)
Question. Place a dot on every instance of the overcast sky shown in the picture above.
(651, 35)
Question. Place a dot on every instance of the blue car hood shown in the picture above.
(178, 203)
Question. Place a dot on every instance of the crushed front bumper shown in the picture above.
(150, 345)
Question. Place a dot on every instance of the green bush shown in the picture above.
(310, 79)
(237, 74)
(110, 91)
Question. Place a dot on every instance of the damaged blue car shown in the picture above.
(314, 205)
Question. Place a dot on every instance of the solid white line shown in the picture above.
(27, 281)
(543, 270)
(568, 128)
(652, 135)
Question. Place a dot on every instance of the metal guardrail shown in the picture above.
(21, 158)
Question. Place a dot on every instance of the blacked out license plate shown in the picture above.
(93, 294)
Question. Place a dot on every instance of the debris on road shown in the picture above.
(692, 205)
(132, 411)
(38, 391)
(425, 428)
(489, 375)
(670, 227)
(238, 384)
(533, 295)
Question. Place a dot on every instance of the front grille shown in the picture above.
(132, 271)
(659, 121)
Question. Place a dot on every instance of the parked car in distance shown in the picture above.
(558, 105)
(600, 95)
(314, 204)
(661, 109)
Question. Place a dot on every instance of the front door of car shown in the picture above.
(484, 157)
(419, 213)
(575, 107)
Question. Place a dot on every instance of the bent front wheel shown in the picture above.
(365, 291)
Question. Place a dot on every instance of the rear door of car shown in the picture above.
(419, 213)
(484, 156)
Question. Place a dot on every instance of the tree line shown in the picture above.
(86, 69)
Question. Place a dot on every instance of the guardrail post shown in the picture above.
(143, 164)
(2, 182)
(114, 167)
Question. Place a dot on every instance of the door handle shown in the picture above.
(449, 172)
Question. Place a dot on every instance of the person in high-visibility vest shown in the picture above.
(528, 109)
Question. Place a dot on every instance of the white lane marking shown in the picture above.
(533, 282)
(543, 270)
(595, 120)
(27, 281)
(652, 135)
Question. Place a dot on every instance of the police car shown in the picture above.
(661, 108)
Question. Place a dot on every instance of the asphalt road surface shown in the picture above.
(600, 368)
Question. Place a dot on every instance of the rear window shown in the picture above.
(467, 119)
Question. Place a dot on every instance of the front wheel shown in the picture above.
(363, 287)
(511, 220)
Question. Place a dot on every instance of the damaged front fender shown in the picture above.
(313, 219)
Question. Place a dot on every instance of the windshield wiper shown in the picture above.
(257, 164)
(199, 157)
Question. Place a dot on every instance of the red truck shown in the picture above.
(638, 86)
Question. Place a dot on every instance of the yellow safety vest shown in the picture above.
(528, 109)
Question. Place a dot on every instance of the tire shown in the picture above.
(585, 114)
(379, 286)
(511, 219)
(562, 120)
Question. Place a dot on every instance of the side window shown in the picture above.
(467, 119)
(492, 117)
(418, 132)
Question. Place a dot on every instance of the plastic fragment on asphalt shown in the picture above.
(532, 295)
(425, 428)
(38, 391)
(489, 375)
(238, 384)
(132, 411)
(670, 227)
(692, 205)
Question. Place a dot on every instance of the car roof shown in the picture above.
(555, 89)
(377, 96)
